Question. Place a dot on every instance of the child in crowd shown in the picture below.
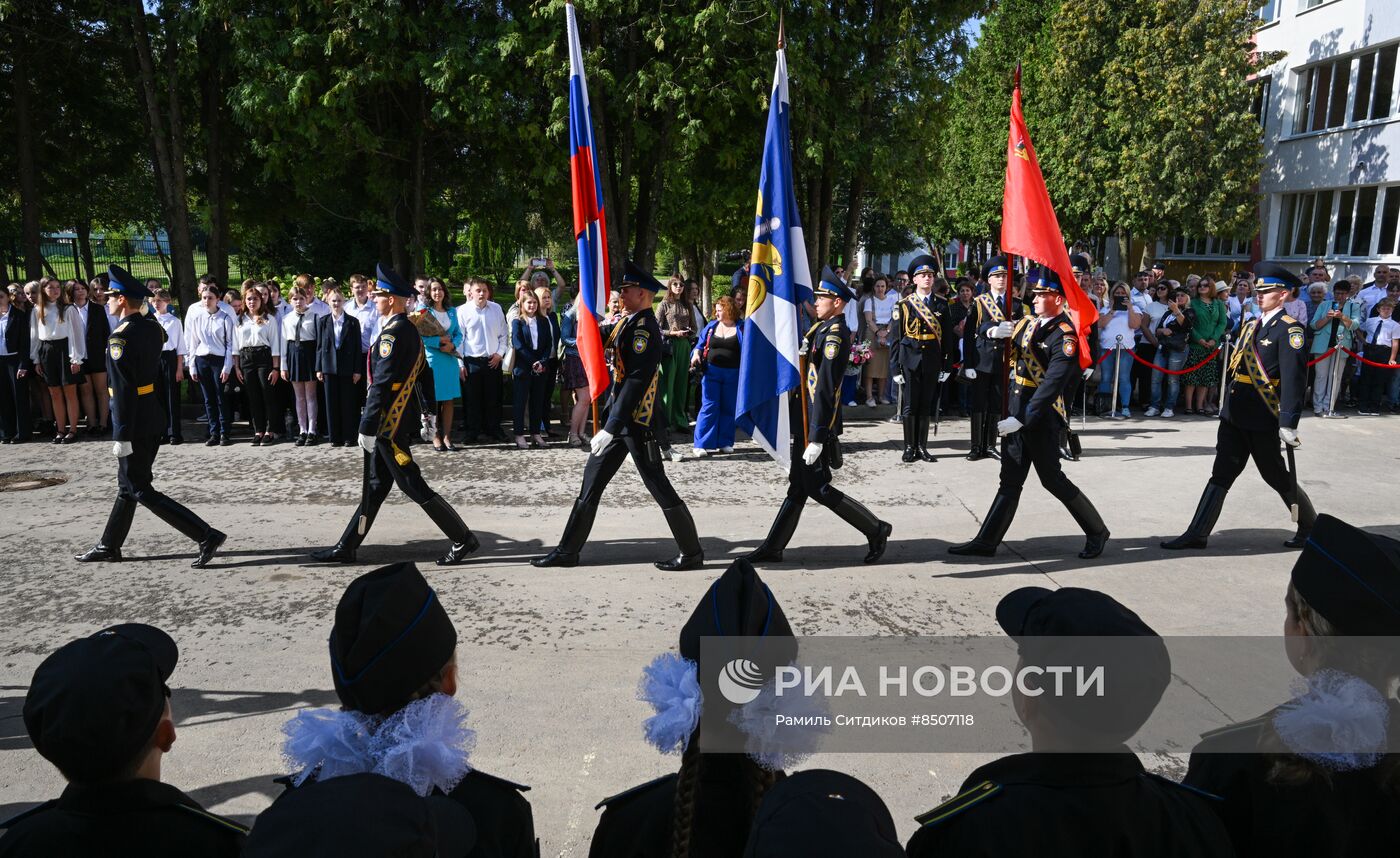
(299, 361)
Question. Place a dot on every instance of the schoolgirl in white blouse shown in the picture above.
(58, 351)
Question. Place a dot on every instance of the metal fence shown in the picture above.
(144, 256)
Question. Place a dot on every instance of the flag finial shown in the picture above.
(782, 34)
(1018, 74)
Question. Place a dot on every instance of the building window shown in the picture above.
(1305, 5)
(1375, 82)
(1211, 247)
(1390, 216)
(1263, 88)
(1322, 96)
(1304, 222)
(1268, 13)
(1364, 223)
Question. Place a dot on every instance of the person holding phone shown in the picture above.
(1335, 323)
(1116, 327)
(678, 328)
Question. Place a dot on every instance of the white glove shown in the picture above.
(969, 374)
(600, 441)
(1088, 372)
(429, 427)
(367, 443)
(1001, 331)
(899, 379)
(1009, 425)
(1288, 436)
(943, 376)
(812, 453)
(121, 449)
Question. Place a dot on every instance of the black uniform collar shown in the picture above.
(1271, 317)
(118, 798)
(1049, 769)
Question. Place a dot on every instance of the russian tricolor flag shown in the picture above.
(589, 229)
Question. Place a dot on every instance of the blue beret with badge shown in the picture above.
(832, 287)
(388, 282)
(634, 275)
(1046, 280)
(996, 265)
(923, 263)
(121, 282)
(1269, 276)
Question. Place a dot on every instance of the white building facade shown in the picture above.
(1330, 110)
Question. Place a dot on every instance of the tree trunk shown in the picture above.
(28, 171)
(213, 41)
(855, 199)
(168, 152)
(812, 221)
(84, 231)
(828, 187)
(418, 215)
(649, 189)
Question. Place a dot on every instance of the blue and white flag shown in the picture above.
(780, 281)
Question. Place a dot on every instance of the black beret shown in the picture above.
(95, 702)
(391, 637)
(1351, 578)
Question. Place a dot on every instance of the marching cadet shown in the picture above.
(816, 408)
(1283, 791)
(1267, 377)
(635, 343)
(984, 354)
(1080, 790)
(99, 709)
(138, 422)
(924, 337)
(393, 662)
(1045, 355)
(390, 419)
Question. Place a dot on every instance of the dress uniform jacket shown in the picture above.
(395, 364)
(1341, 814)
(133, 368)
(1268, 375)
(924, 330)
(827, 350)
(1046, 361)
(137, 817)
(636, 344)
(981, 352)
(505, 825)
(1072, 805)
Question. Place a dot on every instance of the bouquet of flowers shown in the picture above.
(860, 353)
(426, 323)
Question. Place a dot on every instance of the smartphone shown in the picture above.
(538, 262)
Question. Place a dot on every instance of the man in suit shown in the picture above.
(815, 420)
(390, 420)
(339, 364)
(924, 337)
(636, 344)
(1267, 376)
(138, 421)
(15, 366)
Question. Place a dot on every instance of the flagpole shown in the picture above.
(1010, 284)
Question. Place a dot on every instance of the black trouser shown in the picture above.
(1141, 375)
(814, 481)
(551, 378)
(645, 455)
(216, 405)
(528, 392)
(985, 391)
(1037, 447)
(1373, 378)
(922, 387)
(256, 364)
(386, 470)
(481, 398)
(134, 486)
(342, 409)
(14, 400)
(1235, 446)
(170, 393)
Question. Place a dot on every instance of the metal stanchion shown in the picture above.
(1339, 365)
(1224, 371)
(1117, 359)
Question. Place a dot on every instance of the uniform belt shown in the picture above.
(1025, 382)
(1244, 377)
(145, 389)
(923, 338)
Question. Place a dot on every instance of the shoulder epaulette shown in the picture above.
(1067, 327)
(1289, 319)
(958, 803)
(23, 815)
(636, 790)
(501, 781)
(214, 818)
(1251, 724)
(1197, 790)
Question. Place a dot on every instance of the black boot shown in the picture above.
(464, 542)
(998, 521)
(1307, 516)
(911, 453)
(1089, 521)
(344, 550)
(575, 535)
(989, 437)
(692, 556)
(1203, 522)
(857, 515)
(979, 437)
(207, 546)
(109, 549)
(921, 439)
(771, 551)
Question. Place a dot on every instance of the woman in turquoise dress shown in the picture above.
(442, 358)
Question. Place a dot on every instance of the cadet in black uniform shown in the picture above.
(138, 421)
(707, 809)
(390, 420)
(1267, 377)
(1045, 354)
(1097, 800)
(636, 344)
(1343, 804)
(924, 337)
(819, 813)
(815, 410)
(99, 709)
(984, 354)
(394, 666)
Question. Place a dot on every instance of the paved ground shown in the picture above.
(550, 660)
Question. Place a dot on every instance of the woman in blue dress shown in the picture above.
(718, 348)
(442, 359)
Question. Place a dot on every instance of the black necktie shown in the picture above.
(300, 318)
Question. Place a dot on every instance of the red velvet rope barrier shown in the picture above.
(1370, 362)
(1208, 358)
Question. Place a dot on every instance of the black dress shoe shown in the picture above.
(334, 554)
(457, 554)
(878, 542)
(765, 555)
(207, 548)
(212, 442)
(301, 440)
(225, 441)
(1093, 545)
(337, 443)
(909, 455)
(176, 440)
(99, 554)
(555, 558)
(313, 440)
(681, 562)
